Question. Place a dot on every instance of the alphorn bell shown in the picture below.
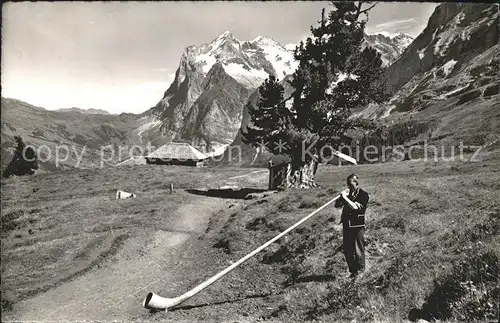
(154, 301)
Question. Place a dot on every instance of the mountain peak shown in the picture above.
(225, 39)
(264, 41)
(390, 46)
(391, 36)
(403, 36)
(226, 34)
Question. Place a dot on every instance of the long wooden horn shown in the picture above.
(153, 301)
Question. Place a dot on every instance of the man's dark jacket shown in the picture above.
(350, 217)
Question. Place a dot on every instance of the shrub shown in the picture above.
(310, 204)
(6, 305)
(9, 220)
(469, 293)
(24, 161)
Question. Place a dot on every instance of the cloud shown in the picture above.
(161, 69)
(391, 24)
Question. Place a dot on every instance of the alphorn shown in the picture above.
(154, 301)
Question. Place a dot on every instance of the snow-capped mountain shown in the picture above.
(389, 47)
(204, 103)
(248, 62)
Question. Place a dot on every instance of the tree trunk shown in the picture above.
(300, 175)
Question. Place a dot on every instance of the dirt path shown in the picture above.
(115, 290)
(251, 173)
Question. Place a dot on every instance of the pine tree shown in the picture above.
(270, 118)
(335, 75)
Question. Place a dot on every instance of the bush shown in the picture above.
(5, 305)
(469, 293)
(310, 204)
(9, 220)
(24, 161)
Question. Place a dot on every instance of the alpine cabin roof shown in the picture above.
(177, 150)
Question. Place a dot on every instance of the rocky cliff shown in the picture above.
(456, 53)
(455, 32)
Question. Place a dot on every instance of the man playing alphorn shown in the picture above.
(354, 201)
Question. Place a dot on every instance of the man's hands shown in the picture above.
(344, 193)
(351, 204)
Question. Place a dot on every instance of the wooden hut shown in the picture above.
(177, 153)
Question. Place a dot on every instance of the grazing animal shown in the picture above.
(124, 195)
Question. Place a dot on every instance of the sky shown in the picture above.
(122, 56)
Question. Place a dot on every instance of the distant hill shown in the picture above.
(85, 111)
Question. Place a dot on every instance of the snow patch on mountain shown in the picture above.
(248, 77)
(403, 40)
(207, 60)
(248, 62)
(147, 126)
(283, 61)
(291, 47)
(421, 52)
(448, 67)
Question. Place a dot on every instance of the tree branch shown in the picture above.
(368, 9)
(359, 11)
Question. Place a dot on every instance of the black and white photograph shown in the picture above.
(250, 161)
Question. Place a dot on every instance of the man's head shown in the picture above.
(352, 182)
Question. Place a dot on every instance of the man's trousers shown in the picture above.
(354, 248)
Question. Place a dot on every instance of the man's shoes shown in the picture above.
(353, 276)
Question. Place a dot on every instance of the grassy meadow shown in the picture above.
(432, 244)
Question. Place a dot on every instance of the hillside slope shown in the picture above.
(449, 76)
(432, 245)
(82, 134)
